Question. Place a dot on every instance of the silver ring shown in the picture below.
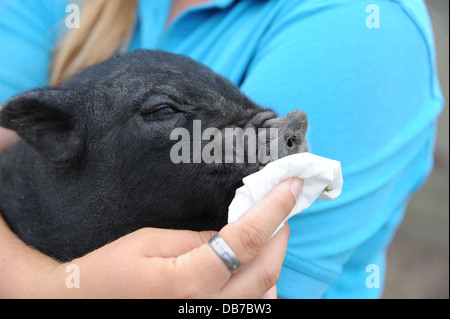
(224, 252)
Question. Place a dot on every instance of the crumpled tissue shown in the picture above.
(322, 180)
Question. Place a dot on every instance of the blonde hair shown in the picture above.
(106, 26)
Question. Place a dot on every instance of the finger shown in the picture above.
(259, 276)
(249, 233)
(168, 243)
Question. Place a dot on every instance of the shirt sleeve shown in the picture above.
(371, 99)
(28, 31)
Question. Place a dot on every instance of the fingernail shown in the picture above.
(296, 187)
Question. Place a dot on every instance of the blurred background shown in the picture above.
(418, 259)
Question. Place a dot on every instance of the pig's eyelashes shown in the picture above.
(159, 114)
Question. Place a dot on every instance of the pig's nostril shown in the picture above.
(291, 143)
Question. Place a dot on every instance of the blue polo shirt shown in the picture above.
(364, 74)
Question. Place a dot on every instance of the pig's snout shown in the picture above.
(294, 130)
(291, 137)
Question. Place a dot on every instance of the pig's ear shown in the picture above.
(45, 120)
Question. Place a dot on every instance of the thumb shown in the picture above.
(255, 227)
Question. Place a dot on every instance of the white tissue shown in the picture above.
(322, 180)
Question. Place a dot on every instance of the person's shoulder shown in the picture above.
(415, 9)
(354, 17)
(30, 11)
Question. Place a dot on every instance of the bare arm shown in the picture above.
(7, 138)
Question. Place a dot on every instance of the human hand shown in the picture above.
(161, 263)
(7, 138)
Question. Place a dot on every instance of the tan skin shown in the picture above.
(7, 138)
(159, 263)
(180, 5)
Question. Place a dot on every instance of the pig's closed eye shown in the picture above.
(159, 114)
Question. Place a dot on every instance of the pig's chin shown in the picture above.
(231, 175)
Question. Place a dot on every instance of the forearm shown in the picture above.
(18, 264)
